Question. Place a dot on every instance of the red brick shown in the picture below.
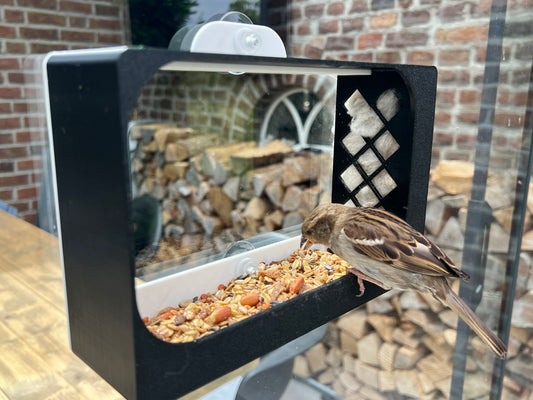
(36, 149)
(295, 13)
(29, 164)
(466, 140)
(339, 43)
(383, 21)
(504, 98)
(77, 36)
(336, 8)
(28, 136)
(7, 166)
(77, 22)
(421, 57)
(363, 57)
(406, 39)
(6, 138)
(75, 6)
(46, 4)
(24, 77)
(98, 23)
(13, 16)
(463, 34)
(9, 63)
(9, 122)
(454, 57)
(109, 11)
(110, 38)
(389, 57)
(509, 120)
(7, 31)
(312, 52)
(410, 18)
(27, 193)
(469, 96)
(328, 26)
(314, 10)
(442, 138)
(468, 117)
(14, 180)
(30, 217)
(352, 24)
(15, 47)
(21, 206)
(7, 2)
(453, 77)
(13, 152)
(21, 107)
(359, 6)
(35, 121)
(39, 33)
(41, 48)
(521, 76)
(5, 108)
(37, 177)
(520, 99)
(459, 155)
(6, 195)
(304, 28)
(442, 118)
(445, 97)
(369, 41)
(46, 18)
(454, 12)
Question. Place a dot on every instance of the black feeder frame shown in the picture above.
(91, 97)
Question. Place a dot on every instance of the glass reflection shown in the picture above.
(218, 159)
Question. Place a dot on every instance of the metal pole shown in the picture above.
(479, 213)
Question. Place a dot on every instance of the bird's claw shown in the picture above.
(360, 281)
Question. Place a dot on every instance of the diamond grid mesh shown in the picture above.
(370, 144)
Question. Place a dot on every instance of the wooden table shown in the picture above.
(35, 360)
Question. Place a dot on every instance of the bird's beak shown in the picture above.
(305, 243)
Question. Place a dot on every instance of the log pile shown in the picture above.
(400, 345)
(215, 193)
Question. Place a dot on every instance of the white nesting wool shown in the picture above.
(384, 183)
(351, 178)
(388, 104)
(366, 197)
(365, 122)
(369, 161)
(353, 142)
(386, 145)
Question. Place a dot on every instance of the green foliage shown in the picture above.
(154, 22)
(248, 7)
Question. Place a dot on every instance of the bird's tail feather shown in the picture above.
(475, 323)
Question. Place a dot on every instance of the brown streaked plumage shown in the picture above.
(387, 251)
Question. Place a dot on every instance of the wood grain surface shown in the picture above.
(35, 359)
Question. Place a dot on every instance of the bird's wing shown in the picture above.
(387, 238)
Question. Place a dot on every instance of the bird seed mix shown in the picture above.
(246, 295)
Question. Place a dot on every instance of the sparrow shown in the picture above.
(385, 250)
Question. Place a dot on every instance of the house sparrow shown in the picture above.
(387, 251)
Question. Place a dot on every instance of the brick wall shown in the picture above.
(229, 105)
(29, 29)
(450, 34)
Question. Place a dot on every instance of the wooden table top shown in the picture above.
(35, 359)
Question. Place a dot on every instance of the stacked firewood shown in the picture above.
(214, 193)
(401, 345)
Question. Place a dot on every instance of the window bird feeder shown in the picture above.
(381, 147)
